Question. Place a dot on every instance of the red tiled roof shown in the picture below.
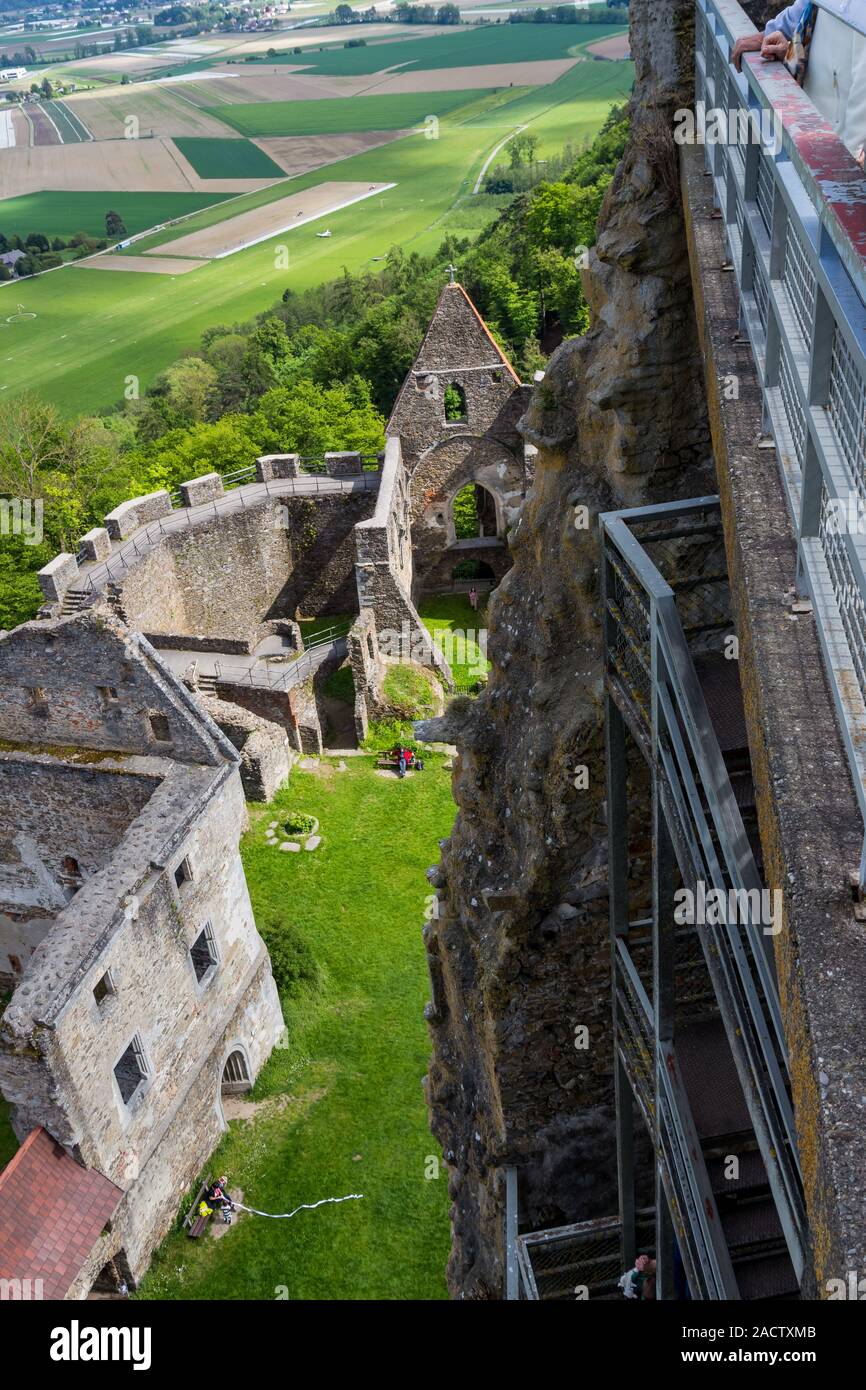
(51, 1212)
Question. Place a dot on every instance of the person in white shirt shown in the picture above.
(836, 71)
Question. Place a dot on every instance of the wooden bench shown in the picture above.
(194, 1222)
(384, 760)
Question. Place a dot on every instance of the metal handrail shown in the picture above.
(258, 672)
(794, 213)
(684, 1169)
(142, 540)
(698, 796)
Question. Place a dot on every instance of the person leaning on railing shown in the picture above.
(827, 57)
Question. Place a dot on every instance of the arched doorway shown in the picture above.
(473, 572)
(473, 512)
(236, 1074)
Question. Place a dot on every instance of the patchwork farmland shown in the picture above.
(215, 151)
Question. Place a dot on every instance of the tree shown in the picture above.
(310, 420)
(114, 225)
(46, 89)
(344, 14)
(448, 14)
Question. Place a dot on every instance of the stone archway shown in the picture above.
(439, 477)
(474, 512)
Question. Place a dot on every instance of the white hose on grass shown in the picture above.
(305, 1206)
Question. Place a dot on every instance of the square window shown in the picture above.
(159, 728)
(38, 701)
(183, 873)
(104, 988)
(203, 953)
(131, 1071)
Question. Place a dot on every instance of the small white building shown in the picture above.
(11, 74)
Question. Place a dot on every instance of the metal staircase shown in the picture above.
(700, 1052)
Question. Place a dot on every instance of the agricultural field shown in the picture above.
(495, 45)
(228, 159)
(334, 115)
(92, 331)
(63, 214)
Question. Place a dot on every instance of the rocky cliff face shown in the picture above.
(518, 952)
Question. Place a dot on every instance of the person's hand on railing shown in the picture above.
(774, 47)
(750, 43)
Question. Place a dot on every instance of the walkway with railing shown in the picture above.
(709, 1079)
(240, 497)
(262, 672)
(793, 202)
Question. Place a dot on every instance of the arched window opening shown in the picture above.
(236, 1075)
(455, 404)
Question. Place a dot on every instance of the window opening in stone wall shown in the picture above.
(203, 953)
(131, 1071)
(455, 404)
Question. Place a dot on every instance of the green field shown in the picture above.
(95, 328)
(333, 115)
(227, 159)
(64, 214)
(469, 47)
(342, 1104)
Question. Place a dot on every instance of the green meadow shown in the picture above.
(340, 1105)
(64, 214)
(213, 158)
(94, 329)
(332, 115)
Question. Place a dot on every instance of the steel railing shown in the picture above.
(261, 673)
(651, 674)
(136, 546)
(793, 202)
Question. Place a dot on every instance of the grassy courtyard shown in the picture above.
(341, 1106)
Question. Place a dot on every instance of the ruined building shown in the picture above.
(127, 931)
(675, 709)
(168, 676)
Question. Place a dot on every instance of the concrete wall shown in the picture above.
(225, 577)
(266, 752)
(441, 455)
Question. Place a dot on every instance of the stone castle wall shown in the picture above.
(224, 578)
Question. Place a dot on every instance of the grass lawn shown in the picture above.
(227, 159)
(64, 214)
(332, 115)
(343, 1110)
(454, 625)
(95, 328)
(472, 46)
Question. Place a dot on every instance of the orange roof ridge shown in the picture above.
(457, 286)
